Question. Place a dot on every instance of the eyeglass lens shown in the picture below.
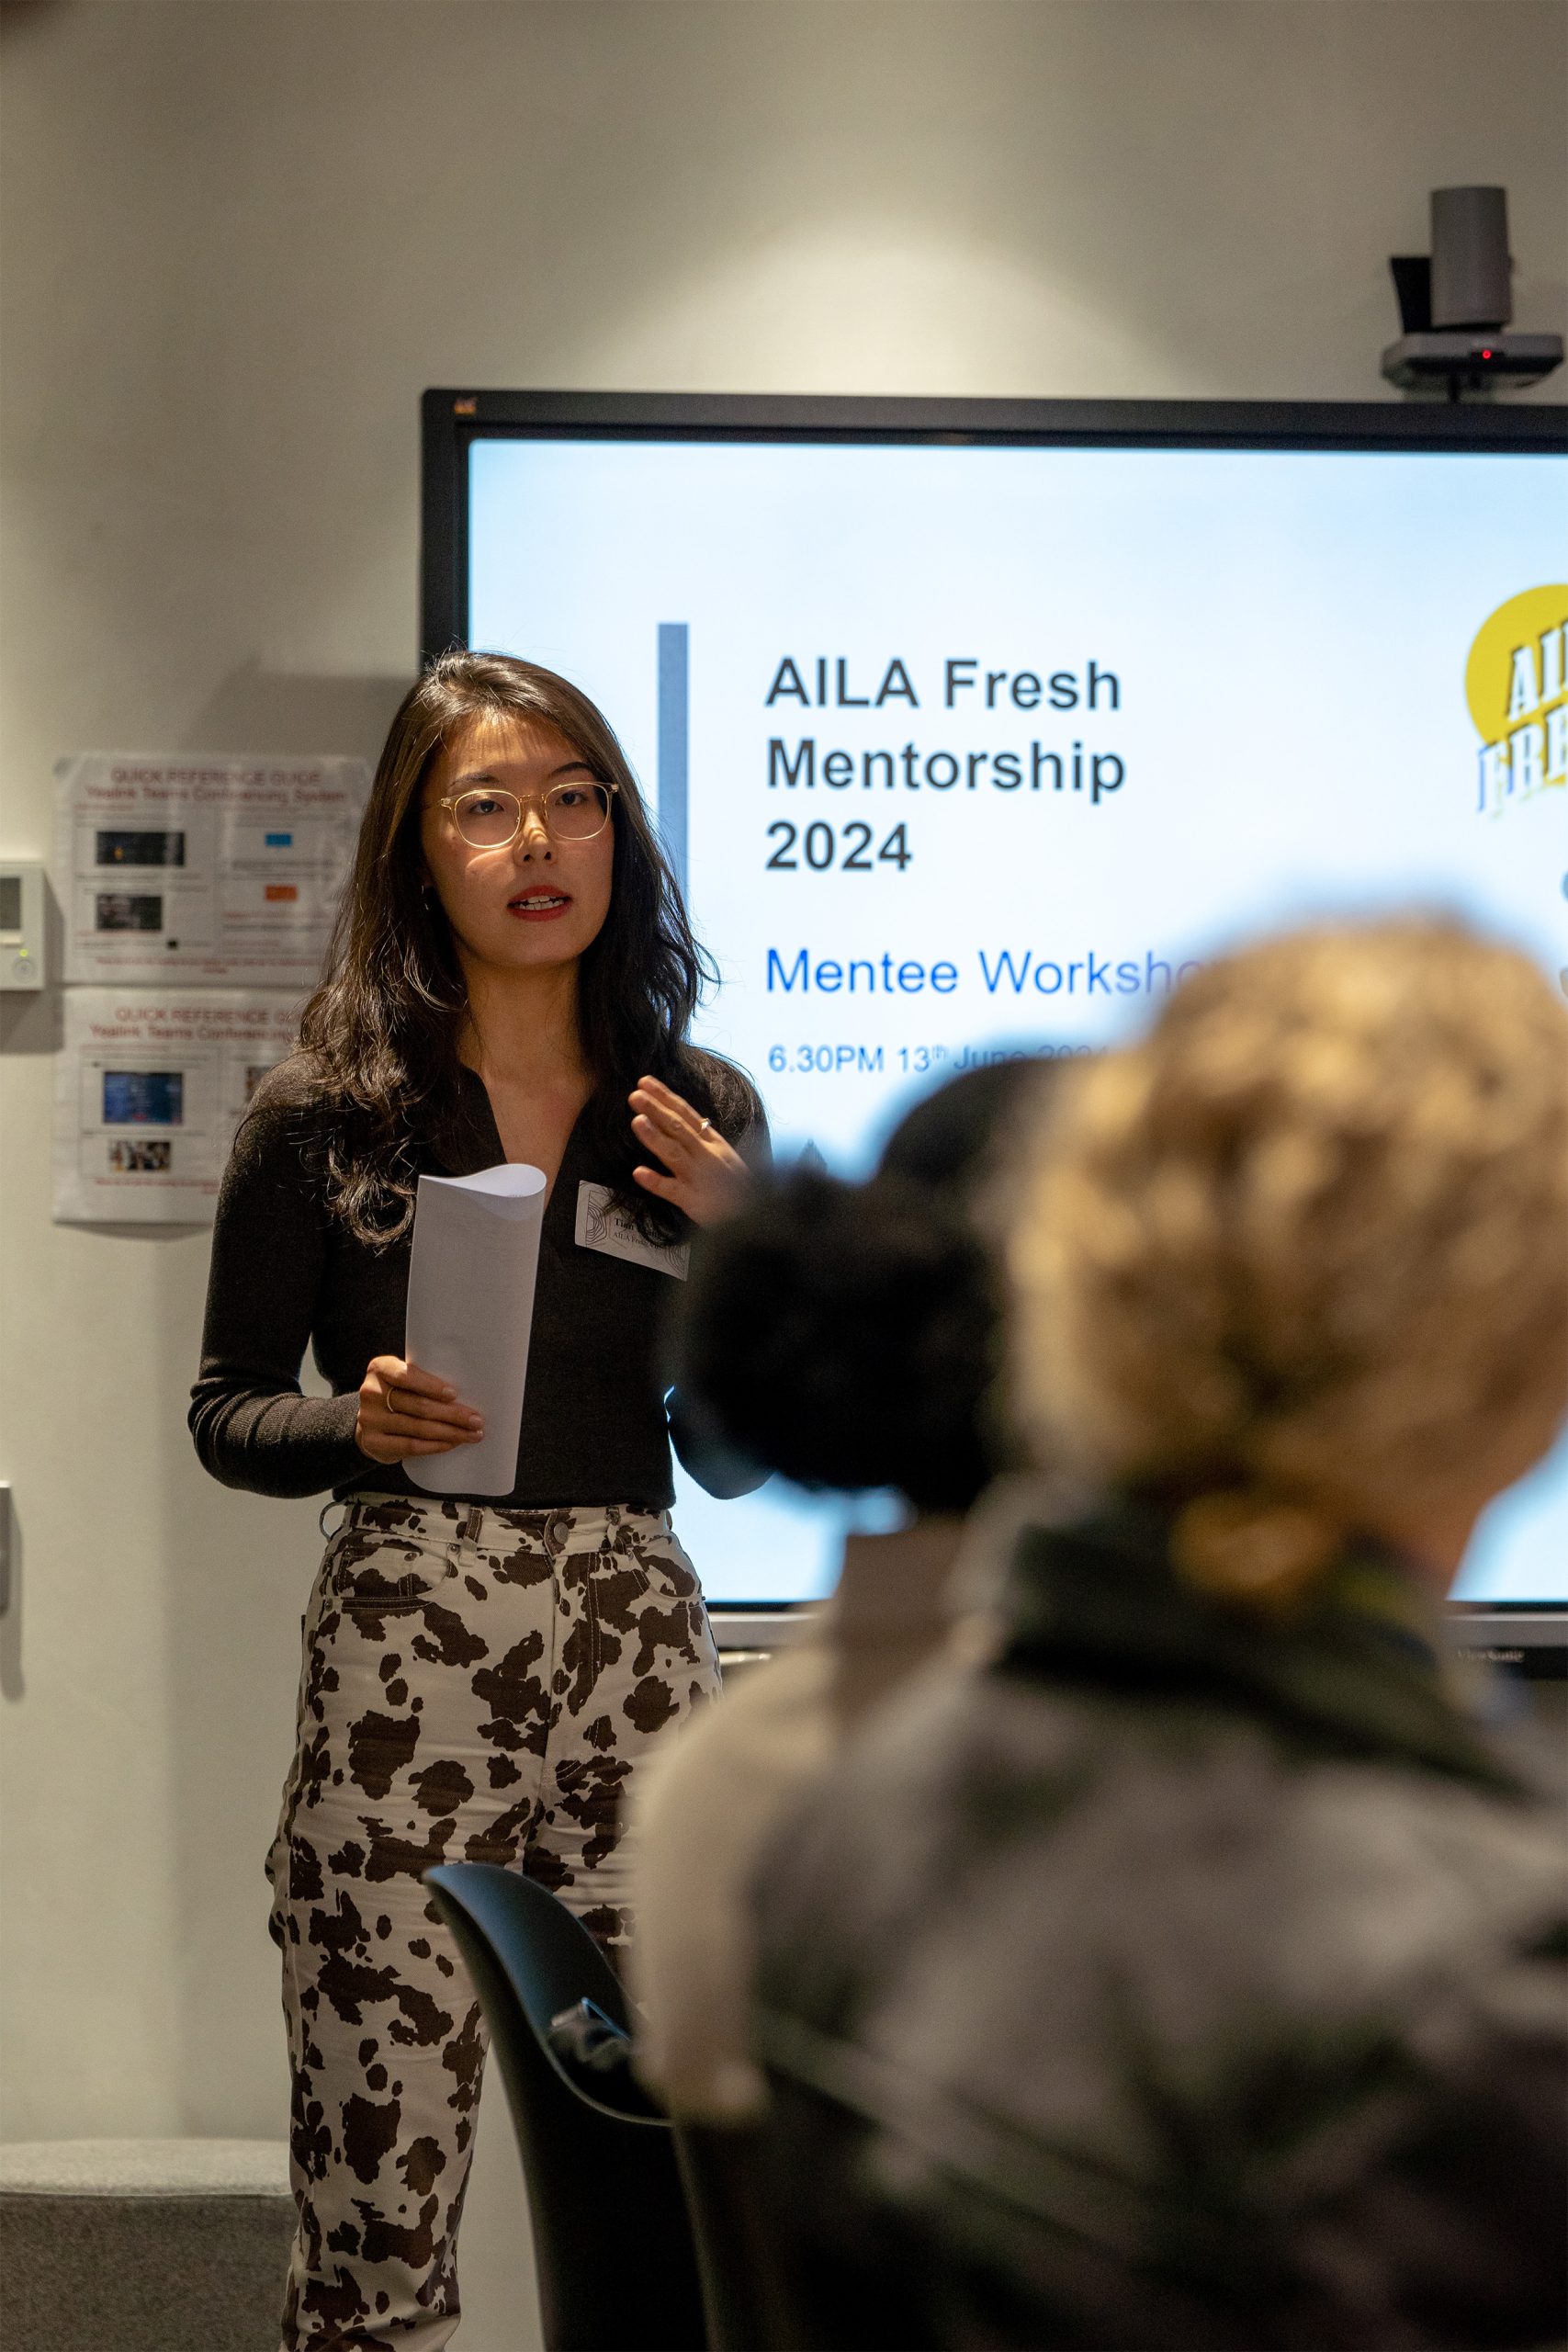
(572, 812)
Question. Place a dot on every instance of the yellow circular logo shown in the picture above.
(1516, 682)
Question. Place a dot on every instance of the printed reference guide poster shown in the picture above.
(149, 1091)
(188, 868)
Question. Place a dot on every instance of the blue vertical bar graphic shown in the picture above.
(673, 693)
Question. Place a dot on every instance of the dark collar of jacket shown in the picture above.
(1356, 1670)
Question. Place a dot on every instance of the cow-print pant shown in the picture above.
(478, 1685)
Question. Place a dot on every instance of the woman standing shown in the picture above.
(482, 1674)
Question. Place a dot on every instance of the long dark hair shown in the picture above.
(381, 1034)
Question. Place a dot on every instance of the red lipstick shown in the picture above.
(539, 906)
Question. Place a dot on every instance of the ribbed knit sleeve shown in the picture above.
(251, 1424)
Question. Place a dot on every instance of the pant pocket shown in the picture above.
(666, 1572)
(374, 1571)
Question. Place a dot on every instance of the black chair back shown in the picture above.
(743, 2287)
(612, 2242)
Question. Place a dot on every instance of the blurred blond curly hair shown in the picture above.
(1301, 1255)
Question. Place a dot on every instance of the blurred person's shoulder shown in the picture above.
(1006, 1892)
(1028, 1827)
(1143, 1784)
(767, 1731)
(700, 1811)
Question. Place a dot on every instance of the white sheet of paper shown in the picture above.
(470, 1313)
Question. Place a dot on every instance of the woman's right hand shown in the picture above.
(404, 1411)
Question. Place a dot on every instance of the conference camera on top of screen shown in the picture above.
(1455, 304)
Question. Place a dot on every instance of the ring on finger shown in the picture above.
(707, 1127)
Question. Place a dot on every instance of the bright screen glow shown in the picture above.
(965, 750)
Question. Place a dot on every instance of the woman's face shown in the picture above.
(536, 901)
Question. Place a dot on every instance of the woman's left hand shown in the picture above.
(706, 1176)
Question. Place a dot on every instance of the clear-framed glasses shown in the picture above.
(489, 818)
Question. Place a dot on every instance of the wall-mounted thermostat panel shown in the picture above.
(21, 922)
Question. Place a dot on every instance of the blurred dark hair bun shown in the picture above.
(845, 1336)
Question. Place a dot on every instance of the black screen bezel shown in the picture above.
(452, 419)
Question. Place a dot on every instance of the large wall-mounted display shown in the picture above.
(972, 727)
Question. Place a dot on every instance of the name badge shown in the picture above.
(601, 1225)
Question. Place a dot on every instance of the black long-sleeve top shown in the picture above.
(286, 1274)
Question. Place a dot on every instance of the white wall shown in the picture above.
(239, 237)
